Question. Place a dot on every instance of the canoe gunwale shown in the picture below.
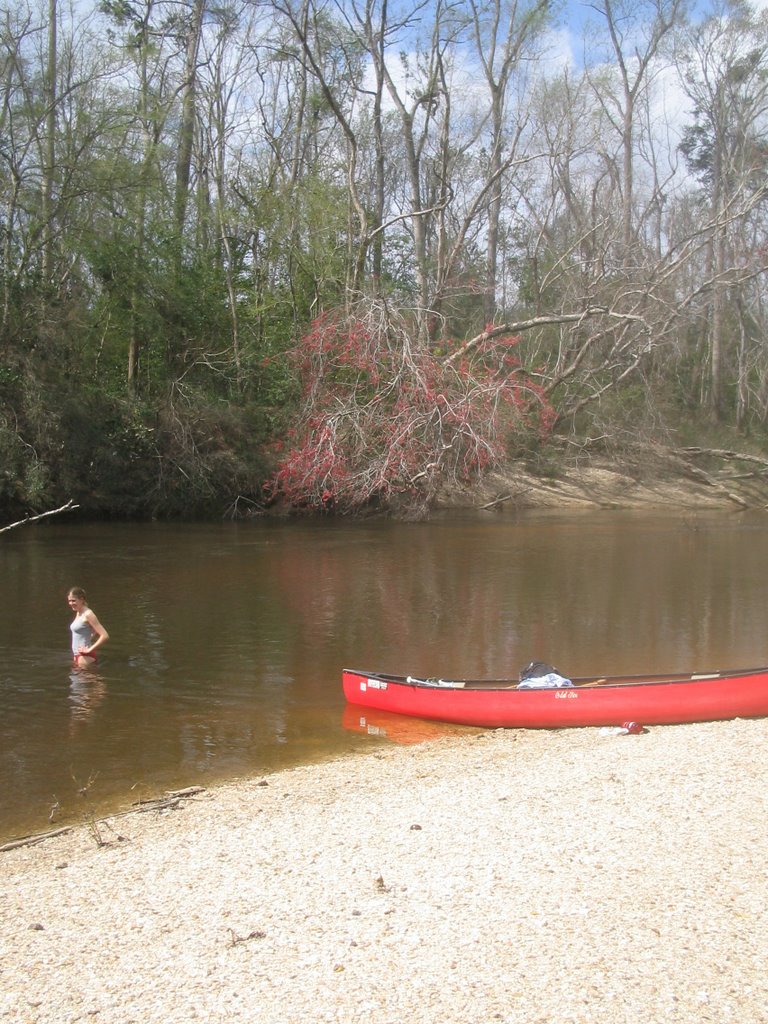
(585, 682)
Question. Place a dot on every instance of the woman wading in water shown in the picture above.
(87, 632)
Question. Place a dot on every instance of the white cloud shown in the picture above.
(558, 50)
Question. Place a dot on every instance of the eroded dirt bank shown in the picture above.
(687, 481)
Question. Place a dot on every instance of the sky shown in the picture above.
(572, 33)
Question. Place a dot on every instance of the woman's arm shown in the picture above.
(101, 634)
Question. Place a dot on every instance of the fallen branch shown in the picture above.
(33, 519)
(496, 501)
(15, 844)
(699, 474)
(236, 939)
(518, 326)
(172, 799)
(721, 453)
(252, 508)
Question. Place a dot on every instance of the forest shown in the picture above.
(332, 255)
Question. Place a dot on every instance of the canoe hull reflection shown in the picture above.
(401, 729)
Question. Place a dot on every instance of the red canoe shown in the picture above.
(647, 700)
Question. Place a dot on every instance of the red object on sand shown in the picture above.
(617, 700)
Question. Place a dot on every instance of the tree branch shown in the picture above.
(33, 519)
(524, 325)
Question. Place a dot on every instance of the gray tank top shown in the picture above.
(82, 634)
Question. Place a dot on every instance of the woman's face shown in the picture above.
(75, 603)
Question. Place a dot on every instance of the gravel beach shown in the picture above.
(521, 877)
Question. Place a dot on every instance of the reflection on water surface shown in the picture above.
(228, 640)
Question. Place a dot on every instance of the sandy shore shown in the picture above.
(503, 876)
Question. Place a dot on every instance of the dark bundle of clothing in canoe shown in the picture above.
(538, 674)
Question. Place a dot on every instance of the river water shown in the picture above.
(227, 641)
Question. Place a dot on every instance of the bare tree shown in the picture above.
(502, 32)
(308, 24)
(726, 76)
(637, 31)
